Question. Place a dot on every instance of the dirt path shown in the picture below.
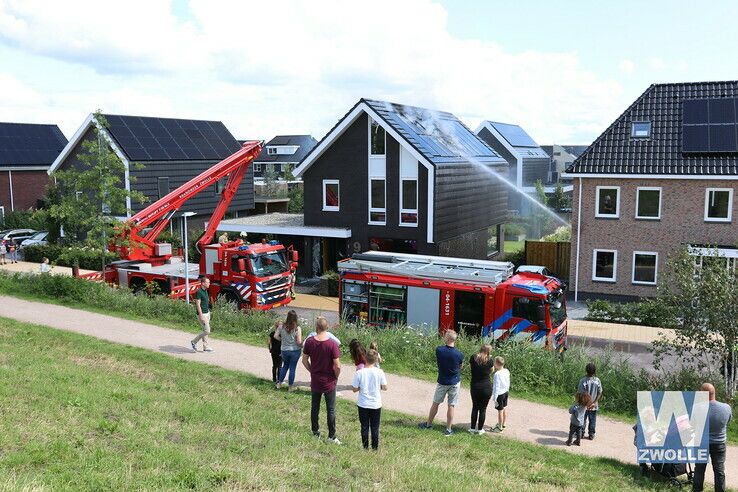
(527, 421)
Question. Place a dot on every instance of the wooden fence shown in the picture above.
(554, 256)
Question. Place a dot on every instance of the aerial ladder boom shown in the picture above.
(131, 244)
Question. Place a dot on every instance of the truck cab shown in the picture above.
(530, 306)
(257, 276)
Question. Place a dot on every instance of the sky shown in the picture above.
(562, 70)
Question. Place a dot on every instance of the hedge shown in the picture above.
(86, 258)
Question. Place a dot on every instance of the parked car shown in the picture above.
(19, 235)
(40, 238)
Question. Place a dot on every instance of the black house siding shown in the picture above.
(535, 169)
(347, 161)
(467, 199)
(179, 172)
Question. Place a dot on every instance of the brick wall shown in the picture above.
(28, 187)
(682, 222)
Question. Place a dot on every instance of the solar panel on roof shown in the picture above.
(149, 138)
(709, 125)
(23, 144)
(515, 135)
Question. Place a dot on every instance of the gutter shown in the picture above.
(579, 236)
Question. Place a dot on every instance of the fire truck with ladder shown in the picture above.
(257, 276)
(478, 298)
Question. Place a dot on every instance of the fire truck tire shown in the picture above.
(137, 285)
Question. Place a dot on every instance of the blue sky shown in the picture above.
(562, 70)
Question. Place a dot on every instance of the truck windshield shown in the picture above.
(267, 264)
(558, 315)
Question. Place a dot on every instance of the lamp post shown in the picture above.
(186, 255)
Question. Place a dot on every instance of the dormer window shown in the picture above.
(271, 150)
(640, 129)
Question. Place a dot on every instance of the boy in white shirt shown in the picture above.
(500, 389)
(368, 382)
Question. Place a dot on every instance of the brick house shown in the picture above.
(26, 152)
(662, 176)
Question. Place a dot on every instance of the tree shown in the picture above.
(700, 296)
(559, 200)
(87, 197)
(271, 186)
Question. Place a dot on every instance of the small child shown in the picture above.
(591, 384)
(44, 267)
(275, 349)
(368, 382)
(576, 424)
(500, 390)
(375, 347)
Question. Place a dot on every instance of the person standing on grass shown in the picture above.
(275, 349)
(322, 358)
(718, 416)
(290, 336)
(368, 383)
(576, 423)
(500, 389)
(481, 387)
(449, 360)
(591, 385)
(202, 305)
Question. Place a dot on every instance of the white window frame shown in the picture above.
(377, 209)
(616, 215)
(614, 266)
(369, 131)
(409, 210)
(271, 150)
(730, 205)
(656, 270)
(632, 129)
(638, 196)
(331, 208)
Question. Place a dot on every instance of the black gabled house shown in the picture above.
(406, 179)
(172, 151)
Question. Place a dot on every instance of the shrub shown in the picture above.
(25, 219)
(646, 313)
(514, 230)
(517, 258)
(87, 258)
(562, 233)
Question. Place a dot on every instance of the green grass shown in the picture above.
(538, 375)
(514, 246)
(84, 414)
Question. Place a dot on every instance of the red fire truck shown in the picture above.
(479, 298)
(257, 276)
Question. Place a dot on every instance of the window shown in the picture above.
(604, 265)
(377, 138)
(331, 195)
(645, 265)
(408, 189)
(219, 186)
(718, 204)
(271, 150)
(377, 205)
(163, 187)
(77, 195)
(530, 309)
(648, 203)
(640, 129)
(608, 202)
(409, 202)
(258, 168)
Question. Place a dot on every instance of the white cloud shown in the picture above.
(293, 66)
(657, 63)
(627, 66)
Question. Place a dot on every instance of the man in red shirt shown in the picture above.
(322, 358)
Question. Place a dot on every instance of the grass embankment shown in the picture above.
(84, 414)
(538, 375)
